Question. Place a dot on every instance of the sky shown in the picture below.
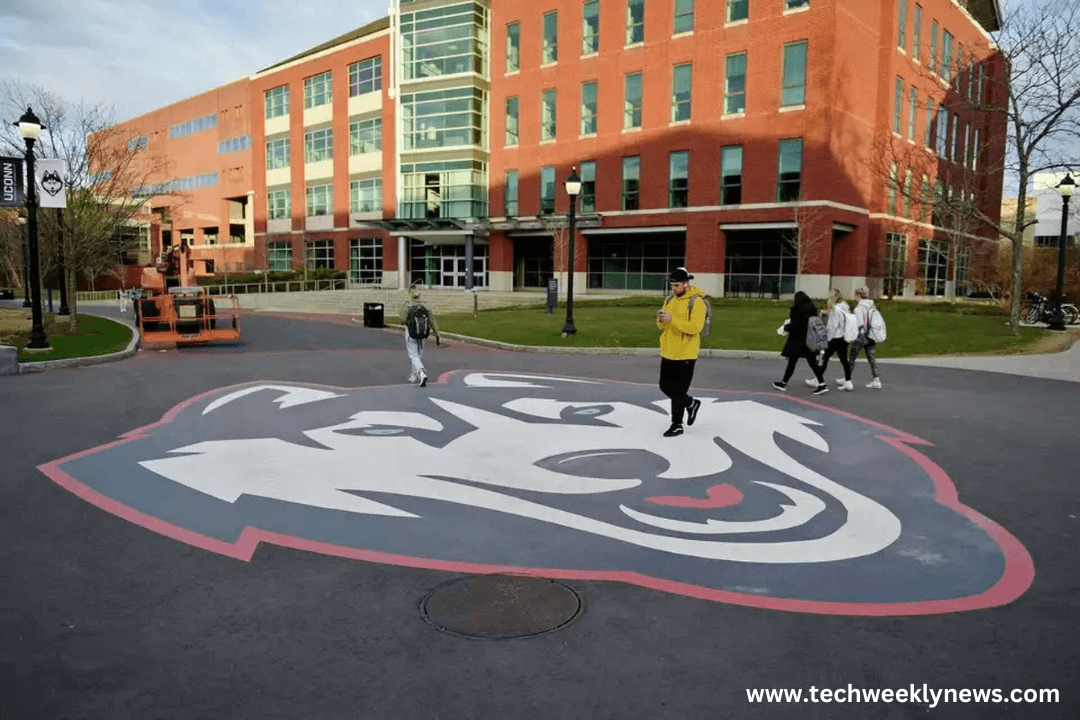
(140, 55)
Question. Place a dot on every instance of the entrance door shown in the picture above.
(453, 271)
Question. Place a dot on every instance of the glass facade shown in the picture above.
(444, 118)
(444, 41)
(639, 262)
(451, 189)
(365, 261)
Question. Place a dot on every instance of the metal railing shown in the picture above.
(271, 286)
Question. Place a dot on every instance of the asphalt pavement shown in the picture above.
(264, 528)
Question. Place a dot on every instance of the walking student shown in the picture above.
(802, 309)
(863, 342)
(837, 311)
(419, 323)
(681, 320)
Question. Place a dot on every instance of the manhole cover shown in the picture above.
(500, 606)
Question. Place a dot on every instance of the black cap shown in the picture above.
(679, 274)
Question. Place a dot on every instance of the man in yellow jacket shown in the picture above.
(681, 322)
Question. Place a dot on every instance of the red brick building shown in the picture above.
(768, 145)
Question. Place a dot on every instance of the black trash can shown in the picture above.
(373, 315)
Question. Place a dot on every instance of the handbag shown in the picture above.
(782, 330)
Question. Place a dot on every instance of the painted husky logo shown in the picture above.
(766, 502)
(51, 182)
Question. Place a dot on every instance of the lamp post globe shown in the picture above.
(1057, 316)
(573, 188)
(30, 127)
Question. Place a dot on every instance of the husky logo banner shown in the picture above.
(770, 502)
(51, 176)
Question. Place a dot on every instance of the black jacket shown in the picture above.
(800, 315)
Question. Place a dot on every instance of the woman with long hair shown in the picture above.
(836, 311)
(802, 309)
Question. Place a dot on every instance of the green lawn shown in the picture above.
(914, 328)
(95, 336)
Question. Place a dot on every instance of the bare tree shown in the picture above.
(1035, 103)
(108, 181)
(558, 227)
(810, 239)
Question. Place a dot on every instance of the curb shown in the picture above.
(129, 351)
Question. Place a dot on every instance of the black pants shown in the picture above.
(675, 377)
(811, 360)
(840, 347)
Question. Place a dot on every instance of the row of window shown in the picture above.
(365, 258)
(792, 94)
(788, 180)
(179, 185)
(233, 145)
(191, 127)
(933, 266)
(944, 132)
(682, 22)
(365, 136)
(942, 65)
(364, 77)
(365, 196)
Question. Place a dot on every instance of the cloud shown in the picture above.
(138, 55)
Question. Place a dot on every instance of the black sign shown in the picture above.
(11, 182)
(552, 295)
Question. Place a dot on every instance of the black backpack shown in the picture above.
(416, 322)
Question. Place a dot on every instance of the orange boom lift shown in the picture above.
(172, 310)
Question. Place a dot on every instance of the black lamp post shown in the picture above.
(30, 127)
(1057, 316)
(573, 187)
(25, 264)
(64, 309)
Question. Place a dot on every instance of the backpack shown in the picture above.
(877, 326)
(708, 315)
(817, 336)
(851, 328)
(416, 322)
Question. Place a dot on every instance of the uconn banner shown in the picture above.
(11, 184)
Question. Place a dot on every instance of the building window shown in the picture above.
(731, 175)
(141, 142)
(365, 261)
(962, 271)
(632, 101)
(278, 205)
(234, 145)
(318, 90)
(635, 21)
(444, 265)
(895, 262)
(513, 47)
(679, 179)
(449, 189)
(893, 182)
(276, 101)
(320, 200)
(929, 140)
(511, 138)
(942, 131)
(795, 4)
(365, 76)
(738, 10)
(735, 84)
(793, 92)
(898, 100)
(789, 173)
(365, 195)
(207, 122)
(916, 32)
(1051, 241)
(946, 57)
(631, 182)
(278, 257)
(587, 198)
(590, 27)
(365, 136)
(511, 191)
(932, 66)
(640, 263)
(551, 38)
(547, 190)
(319, 255)
(976, 148)
(934, 264)
(681, 81)
(913, 106)
(588, 108)
(907, 193)
(318, 145)
(901, 26)
(445, 40)
(277, 153)
(684, 16)
(444, 118)
(547, 115)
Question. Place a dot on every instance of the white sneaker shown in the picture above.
(810, 382)
(423, 378)
(875, 384)
(412, 378)
(848, 385)
(840, 382)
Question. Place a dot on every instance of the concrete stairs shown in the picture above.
(351, 302)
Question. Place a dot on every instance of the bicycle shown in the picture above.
(1041, 309)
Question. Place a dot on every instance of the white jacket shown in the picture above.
(862, 313)
(837, 319)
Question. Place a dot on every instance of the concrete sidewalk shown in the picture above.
(1054, 366)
